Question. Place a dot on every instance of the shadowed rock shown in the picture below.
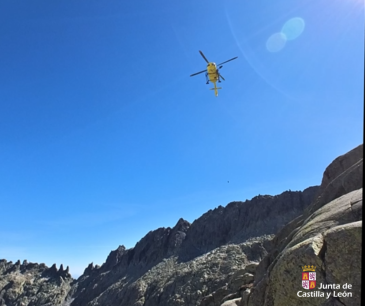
(214, 260)
(166, 264)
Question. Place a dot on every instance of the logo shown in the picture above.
(309, 277)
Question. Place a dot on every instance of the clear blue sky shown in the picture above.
(104, 135)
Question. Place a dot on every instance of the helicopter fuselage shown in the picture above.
(212, 72)
(213, 75)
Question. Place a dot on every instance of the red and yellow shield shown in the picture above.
(309, 280)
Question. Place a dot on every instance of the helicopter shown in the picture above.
(212, 73)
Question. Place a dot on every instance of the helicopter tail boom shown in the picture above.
(215, 88)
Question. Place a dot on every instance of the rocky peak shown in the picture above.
(182, 225)
(150, 250)
(239, 221)
(53, 270)
(89, 269)
(22, 282)
(158, 244)
(115, 257)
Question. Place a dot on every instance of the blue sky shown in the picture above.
(104, 135)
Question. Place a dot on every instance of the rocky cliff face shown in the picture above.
(33, 284)
(239, 221)
(226, 257)
(328, 235)
(185, 264)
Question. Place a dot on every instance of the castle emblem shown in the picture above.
(309, 277)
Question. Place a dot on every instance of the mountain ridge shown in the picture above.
(232, 255)
(234, 223)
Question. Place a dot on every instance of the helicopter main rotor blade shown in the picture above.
(198, 73)
(228, 60)
(204, 56)
(222, 77)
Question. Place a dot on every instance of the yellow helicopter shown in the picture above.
(212, 73)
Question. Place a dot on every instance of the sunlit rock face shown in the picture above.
(233, 255)
(328, 235)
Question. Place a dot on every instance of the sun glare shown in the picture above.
(291, 30)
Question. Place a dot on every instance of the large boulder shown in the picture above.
(327, 236)
(331, 242)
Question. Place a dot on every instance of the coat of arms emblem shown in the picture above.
(309, 277)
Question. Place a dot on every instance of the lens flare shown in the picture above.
(293, 28)
(276, 42)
